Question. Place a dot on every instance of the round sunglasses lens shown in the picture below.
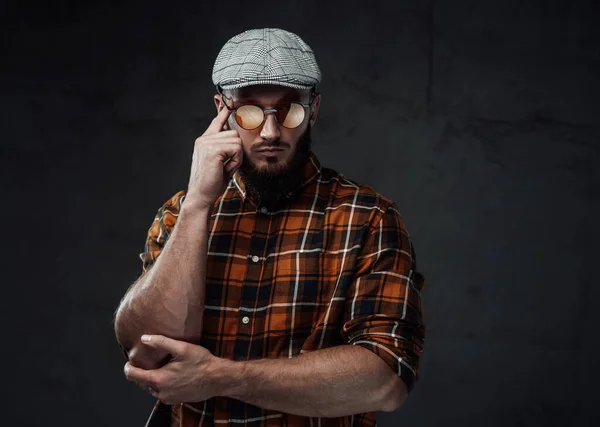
(249, 116)
(294, 117)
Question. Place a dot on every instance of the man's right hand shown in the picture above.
(209, 175)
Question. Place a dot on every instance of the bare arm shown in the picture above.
(331, 382)
(169, 298)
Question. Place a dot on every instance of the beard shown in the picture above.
(270, 186)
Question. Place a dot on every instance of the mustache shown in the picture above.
(274, 144)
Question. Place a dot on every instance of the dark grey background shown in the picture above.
(479, 118)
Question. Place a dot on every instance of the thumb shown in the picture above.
(235, 161)
(164, 343)
(232, 165)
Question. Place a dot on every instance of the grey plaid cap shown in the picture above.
(266, 56)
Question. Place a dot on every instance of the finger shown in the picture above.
(226, 149)
(225, 135)
(234, 162)
(164, 343)
(231, 154)
(217, 123)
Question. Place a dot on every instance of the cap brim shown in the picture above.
(238, 85)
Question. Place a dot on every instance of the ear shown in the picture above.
(314, 109)
(219, 103)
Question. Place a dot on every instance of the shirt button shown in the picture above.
(264, 210)
(245, 320)
(255, 258)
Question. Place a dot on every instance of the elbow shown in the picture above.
(136, 352)
(144, 357)
(396, 395)
(122, 333)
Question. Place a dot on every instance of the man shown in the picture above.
(274, 291)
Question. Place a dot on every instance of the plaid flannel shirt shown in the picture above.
(332, 265)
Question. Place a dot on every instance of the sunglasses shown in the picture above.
(290, 115)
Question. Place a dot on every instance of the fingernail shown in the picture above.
(146, 338)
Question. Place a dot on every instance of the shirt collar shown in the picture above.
(311, 170)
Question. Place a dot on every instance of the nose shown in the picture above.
(270, 130)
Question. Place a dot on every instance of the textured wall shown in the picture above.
(479, 118)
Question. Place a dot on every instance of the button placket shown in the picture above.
(246, 344)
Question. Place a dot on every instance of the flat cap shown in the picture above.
(266, 56)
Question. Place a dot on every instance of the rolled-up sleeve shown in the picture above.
(157, 235)
(160, 230)
(384, 312)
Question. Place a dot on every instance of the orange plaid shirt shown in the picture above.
(332, 265)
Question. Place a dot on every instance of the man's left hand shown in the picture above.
(190, 375)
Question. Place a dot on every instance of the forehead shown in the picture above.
(268, 94)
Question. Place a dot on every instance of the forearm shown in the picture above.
(169, 298)
(332, 382)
